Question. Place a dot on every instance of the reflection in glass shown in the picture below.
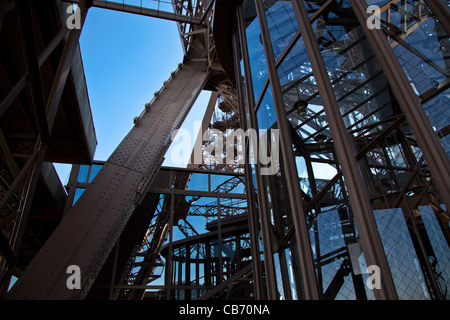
(282, 24)
(83, 173)
(404, 265)
(439, 255)
(198, 181)
(265, 114)
(422, 46)
(94, 170)
(78, 193)
(255, 48)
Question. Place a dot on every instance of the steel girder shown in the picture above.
(91, 228)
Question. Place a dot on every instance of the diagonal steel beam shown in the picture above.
(90, 229)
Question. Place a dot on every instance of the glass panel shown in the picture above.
(279, 277)
(422, 46)
(282, 24)
(330, 234)
(295, 66)
(370, 111)
(290, 267)
(83, 173)
(265, 114)
(226, 183)
(255, 48)
(94, 170)
(299, 85)
(438, 110)
(358, 81)
(405, 268)
(198, 181)
(78, 193)
(439, 256)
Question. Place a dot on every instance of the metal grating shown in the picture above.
(402, 259)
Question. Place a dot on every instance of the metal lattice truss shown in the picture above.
(396, 175)
(179, 11)
(386, 149)
(145, 264)
(192, 16)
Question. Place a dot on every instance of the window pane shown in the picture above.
(83, 173)
(78, 193)
(94, 170)
(282, 24)
(266, 112)
(255, 49)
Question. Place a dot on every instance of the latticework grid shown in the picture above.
(441, 250)
(401, 256)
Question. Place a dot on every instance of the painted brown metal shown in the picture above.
(369, 237)
(427, 139)
(296, 207)
(91, 228)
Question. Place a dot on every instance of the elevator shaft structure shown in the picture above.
(91, 228)
(362, 182)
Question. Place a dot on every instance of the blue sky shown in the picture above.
(126, 59)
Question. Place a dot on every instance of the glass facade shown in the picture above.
(202, 263)
(197, 234)
(85, 175)
(422, 46)
(279, 79)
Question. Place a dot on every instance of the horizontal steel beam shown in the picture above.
(143, 11)
(198, 193)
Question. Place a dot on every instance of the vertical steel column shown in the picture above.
(369, 237)
(251, 210)
(265, 230)
(427, 139)
(169, 269)
(187, 271)
(301, 231)
(27, 36)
